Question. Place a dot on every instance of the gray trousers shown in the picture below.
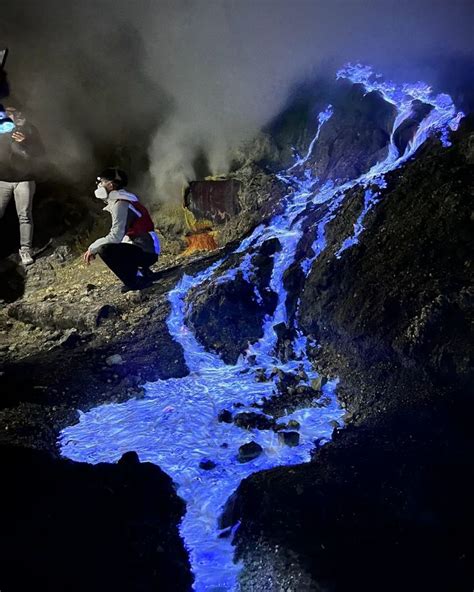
(23, 192)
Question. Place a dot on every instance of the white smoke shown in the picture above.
(175, 79)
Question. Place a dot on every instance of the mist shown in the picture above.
(153, 85)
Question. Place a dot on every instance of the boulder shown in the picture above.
(249, 451)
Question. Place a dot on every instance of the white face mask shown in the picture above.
(101, 193)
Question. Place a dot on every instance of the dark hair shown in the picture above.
(116, 175)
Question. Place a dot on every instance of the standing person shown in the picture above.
(131, 245)
(20, 153)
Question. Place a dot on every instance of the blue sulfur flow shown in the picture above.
(175, 426)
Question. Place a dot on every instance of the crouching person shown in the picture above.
(131, 246)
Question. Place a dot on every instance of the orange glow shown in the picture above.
(203, 241)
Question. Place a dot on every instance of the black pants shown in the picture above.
(125, 259)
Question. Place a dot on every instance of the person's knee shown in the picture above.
(108, 252)
(25, 217)
(24, 201)
(103, 250)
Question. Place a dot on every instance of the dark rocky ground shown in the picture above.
(382, 507)
(72, 526)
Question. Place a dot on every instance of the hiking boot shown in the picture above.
(147, 273)
(26, 256)
(139, 284)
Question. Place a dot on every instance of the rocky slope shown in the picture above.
(387, 504)
(405, 290)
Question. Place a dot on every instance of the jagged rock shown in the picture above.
(405, 132)
(114, 359)
(350, 503)
(260, 375)
(348, 417)
(249, 451)
(227, 316)
(318, 383)
(129, 459)
(292, 423)
(303, 389)
(285, 336)
(61, 315)
(225, 416)
(287, 382)
(248, 420)
(356, 136)
(106, 311)
(207, 464)
(302, 374)
(215, 200)
(277, 372)
(71, 338)
(289, 438)
(61, 253)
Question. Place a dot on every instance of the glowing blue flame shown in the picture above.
(370, 199)
(322, 118)
(175, 426)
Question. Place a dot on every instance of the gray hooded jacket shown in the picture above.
(120, 206)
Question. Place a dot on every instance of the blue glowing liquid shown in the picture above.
(175, 426)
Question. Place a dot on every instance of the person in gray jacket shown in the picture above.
(20, 155)
(132, 245)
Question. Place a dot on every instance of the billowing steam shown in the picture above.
(171, 87)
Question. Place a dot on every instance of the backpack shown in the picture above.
(142, 224)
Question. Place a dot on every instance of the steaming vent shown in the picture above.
(208, 204)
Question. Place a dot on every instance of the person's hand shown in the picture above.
(18, 136)
(88, 257)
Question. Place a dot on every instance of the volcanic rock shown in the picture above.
(225, 416)
(410, 302)
(113, 360)
(125, 514)
(249, 451)
(260, 375)
(207, 464)
(227, 316)
(405, 132)
(355, 137)
(71, 338)
(292, 423)
(249, 420)
(289, 438)
(215, 200)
